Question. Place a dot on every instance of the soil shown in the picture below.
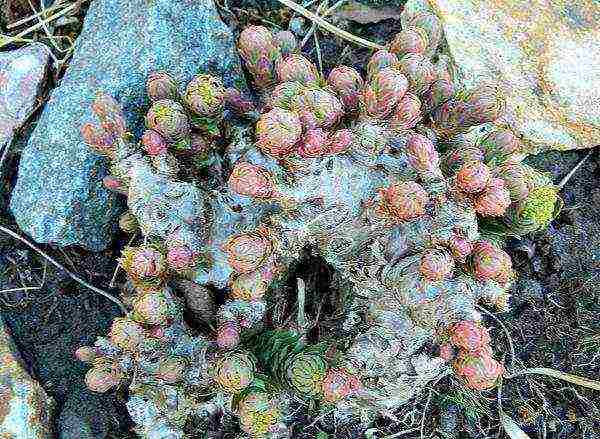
(553, 318)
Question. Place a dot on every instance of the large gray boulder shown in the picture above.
(59, 197)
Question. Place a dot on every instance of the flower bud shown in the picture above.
(418, 70)
(160, 85)
(479, 372)
(259, 414)
(315, 143)
(305, 373)
(153, 143)
(383, 93)
(251, 181)
(500, 145)
(296, 68)
(180, 258)
(489, 262)
(144, 265)
(205, 96)
(319, 109)
(473, 177)
(169, 119)
(247, 252)
(439, 92)
(86, 354)
(102, 378)
(286, 95)
(436, 265)
(235, 371)
(125, 333)
(470, 336)
(114, 184)
(409, 40)
(422, 155)
(100, 141)
(339, 384)
(347, 83)
(155, 307)
(228, 335)
(259, 50)
(494, 201)
(278, 131)
(171, 369)
(380, 60)
(408, 113)
(286, 41)
(403, 201)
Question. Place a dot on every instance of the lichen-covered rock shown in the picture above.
(22, 72)
(25, 408)
(546, 59)
(59, 196)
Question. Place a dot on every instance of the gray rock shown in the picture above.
(22, 73)
(59, 197)
(25, 408)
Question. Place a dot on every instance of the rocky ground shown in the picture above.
(553, 318)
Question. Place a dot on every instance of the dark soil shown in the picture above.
(553, 321)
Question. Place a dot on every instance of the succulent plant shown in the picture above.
(380, 60)
(259, 50)
(418, 70)
(479, 371)
(383, 92)
(160, 85)
(296, 68)
(247, 252)
(126, 334)
(235, 371)
(145, 265)
(407, 114)
(103, 378)
(205, 96)
(305, 373)
(259, 413)
(473, 177)
(410, 40)
(252, 181)
(347, 83)
(278, 131)
(366, 190)
(339, 384)
(469, 336)
(403, 201)
(436, 265)
(494, 201)
(170, 120)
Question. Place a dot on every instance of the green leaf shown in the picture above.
(573, 379)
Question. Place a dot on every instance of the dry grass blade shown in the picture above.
(565, 180)
(60, 267)
(330, 27)
(574, 379)
(511, 428)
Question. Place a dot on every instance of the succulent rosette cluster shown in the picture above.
(376, 174)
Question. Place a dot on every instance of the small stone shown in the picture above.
(22, 73)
